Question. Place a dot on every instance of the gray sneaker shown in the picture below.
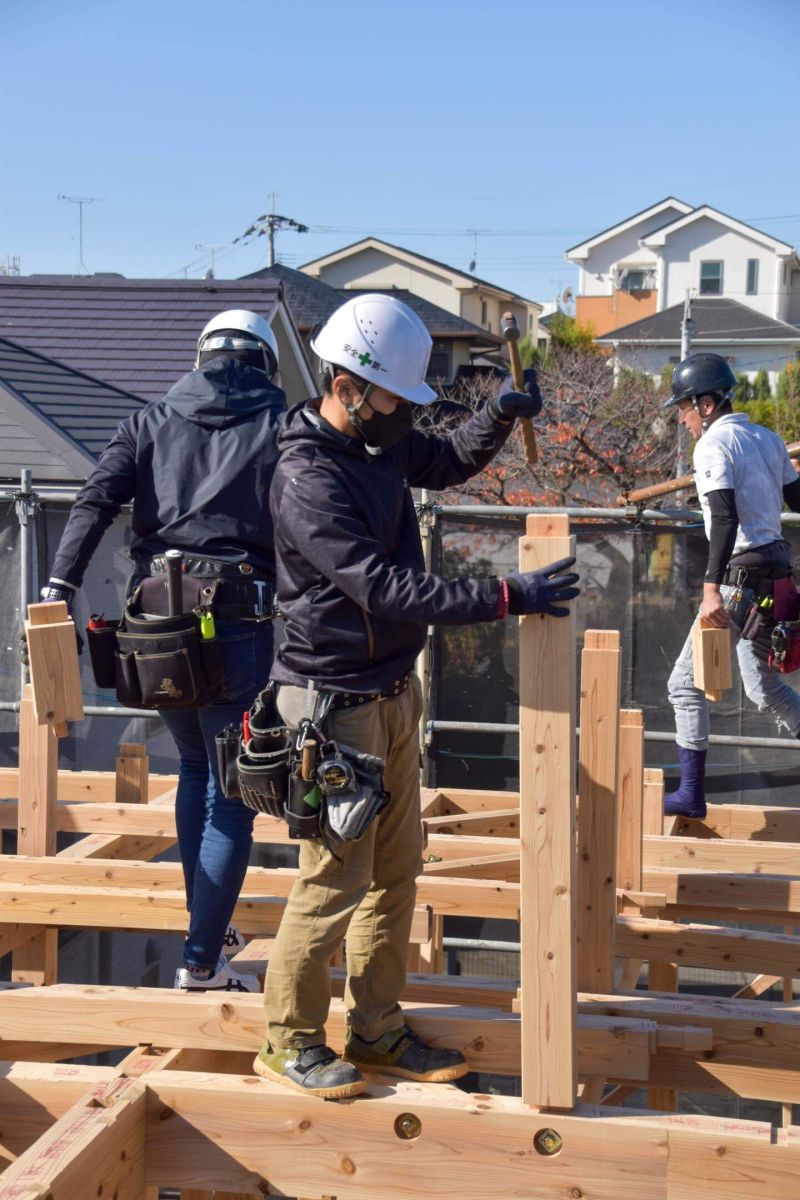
(313, 1070)
(403, 1053)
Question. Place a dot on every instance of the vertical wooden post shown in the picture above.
(597, 815)
(547, 834)
(653, 802)
(133, 769)
(37, 960)
(661, 977)
(630, 798)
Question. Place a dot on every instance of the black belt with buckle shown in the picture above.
(353, 699)
(214, 568)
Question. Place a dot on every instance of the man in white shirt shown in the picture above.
(743, 477)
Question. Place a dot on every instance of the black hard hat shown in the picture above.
(699, 375)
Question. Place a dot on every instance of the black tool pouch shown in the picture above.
(164, 663)
(264, 777)
(102, 645)
(304, 807)
(263, 764)
(228, 744)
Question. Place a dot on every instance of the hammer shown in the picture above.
(510, 331)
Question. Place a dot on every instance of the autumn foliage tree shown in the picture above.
(597, 436)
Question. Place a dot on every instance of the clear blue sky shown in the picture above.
(535, 123)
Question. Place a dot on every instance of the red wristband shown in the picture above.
(502, 599)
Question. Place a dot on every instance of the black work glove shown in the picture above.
(539, 591)
(507, 405)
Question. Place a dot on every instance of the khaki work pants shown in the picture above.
(368, 897)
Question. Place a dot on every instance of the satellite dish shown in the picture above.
(566, 295)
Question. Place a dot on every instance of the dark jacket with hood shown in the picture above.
(197, 466)
(351, 579)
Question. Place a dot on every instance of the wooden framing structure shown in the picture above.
(600, 886)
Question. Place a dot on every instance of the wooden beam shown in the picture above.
(35, 960)
(33, 1096)
(731, 855)
(547, 833)
(756, 1050)
(127, 909)
(653, 801)
(708, 946)
(75, 786)
(132, 770)
(746, 821)
(125, 1016)
(53, 665)
(597, 799)
(630, 786)
(351, 1149)
(711, 656)
(502, 822)
(496, 866)
(95, 1149)
(469, 800)
(446, 896)
(738, 892)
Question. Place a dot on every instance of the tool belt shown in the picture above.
(763, 600)
(321, 788)
(784, 654)
(153, 660)
(241, 594)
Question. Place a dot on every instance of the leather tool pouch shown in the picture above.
(304, 808)
(785, 647)
(263, 761)
(158, 661)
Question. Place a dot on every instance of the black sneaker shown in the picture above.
(401, 1052)
(313, 1070)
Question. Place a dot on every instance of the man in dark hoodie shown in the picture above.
(357, 602)
(198, 466)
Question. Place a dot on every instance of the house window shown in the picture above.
(752, 276)
(484, 312)
(439, 363)
(710, 278)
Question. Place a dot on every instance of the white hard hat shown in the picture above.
(255, 330)
(380, 339)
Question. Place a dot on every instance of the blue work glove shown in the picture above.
(507, 405)
(540, 591)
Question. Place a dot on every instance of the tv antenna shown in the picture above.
(80, 201)
(268, 224)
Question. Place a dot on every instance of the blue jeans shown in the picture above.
(764, 687)
(215, 834)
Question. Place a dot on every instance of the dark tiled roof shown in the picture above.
(714, 318)
(52, 417)
(137, 334)
(435, 262)
(310, 300)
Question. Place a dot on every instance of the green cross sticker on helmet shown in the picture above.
(382, 340)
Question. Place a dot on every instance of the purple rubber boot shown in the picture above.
(690, 798)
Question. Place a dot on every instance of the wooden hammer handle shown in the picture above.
(518, 377)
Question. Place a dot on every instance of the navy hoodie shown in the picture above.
(351, 579)
(197, 466)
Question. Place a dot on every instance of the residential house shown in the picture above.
(139, 335)
(456, 342)
(749, 340)
(375, 265)
(746, 284)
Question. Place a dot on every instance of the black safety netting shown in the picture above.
(646, 582)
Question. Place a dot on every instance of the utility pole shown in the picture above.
(687, 330)
(268, 224)
(80, 201)
(212, 250)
